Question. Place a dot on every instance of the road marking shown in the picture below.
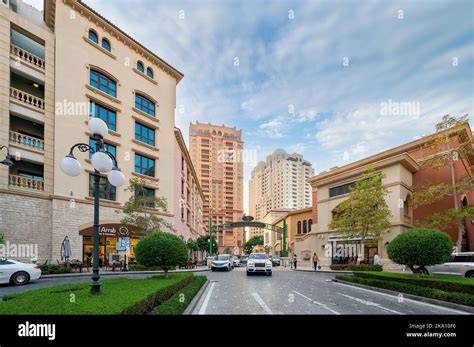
(262, 303)
(370, 303)
(406, 299)
(316, 303)
(203, 308)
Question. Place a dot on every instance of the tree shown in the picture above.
(161, 249)
(365, 213)
(447, 153)
(252, 242)
(418, 248)
(203, 244)
(2, 239)
(192, 246)
(141, 209)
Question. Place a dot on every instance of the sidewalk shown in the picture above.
(324, 269)
(111, 273)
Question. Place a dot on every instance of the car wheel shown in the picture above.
(269, 273)
(248, 273)
(212, 269)
(470, 274)
(20, 278)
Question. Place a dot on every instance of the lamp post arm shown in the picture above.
(82, 147)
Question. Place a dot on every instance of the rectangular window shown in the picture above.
(102, 82)
(106, 190)
(144, 134)
(107, 115)
(107, 146)
(144, 104)
(30, 175)
(144, 165)
(340, 190)
(149, 194)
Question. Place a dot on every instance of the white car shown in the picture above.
(222, 262)
(259, 263)
(236, 261)
(460, 264)
(17, 273)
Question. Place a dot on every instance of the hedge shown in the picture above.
(51, 269)
(181, 299)
(117, 296)
(140, 267)
(455, 297)
(356, 267)
(449, 284)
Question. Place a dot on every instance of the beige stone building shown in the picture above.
(57, 68)
(298, 224)
(279, 182)
(216, 152)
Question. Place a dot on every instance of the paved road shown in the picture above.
(295, 292)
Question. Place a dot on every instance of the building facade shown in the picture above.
(279, 182)
(404, 171)
(188, 222)
(216, 152)
(59, 67)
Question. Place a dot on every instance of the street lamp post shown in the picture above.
(8, 160)
(103, 162)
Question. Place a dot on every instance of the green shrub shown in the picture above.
(161, 249)
(139, 267)
(181, 299)
(52, 269)
(356, 267)
(455, 297)
(417, 248)
(449, 284)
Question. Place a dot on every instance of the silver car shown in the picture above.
(222, 262)
(460, 264)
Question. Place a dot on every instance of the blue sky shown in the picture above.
(291, 88)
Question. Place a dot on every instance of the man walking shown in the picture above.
(295, 261)
(315, 261)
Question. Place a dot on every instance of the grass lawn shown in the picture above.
(118, 296)
(447, 288)
(181, 299)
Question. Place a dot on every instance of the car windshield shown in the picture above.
(258, 256)
(222, 257)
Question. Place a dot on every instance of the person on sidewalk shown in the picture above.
(376, 259)
(295, 261)
(315, 261)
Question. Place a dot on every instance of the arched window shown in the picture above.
(305, 227)
(102, 82)
(93, 36)
(310, 223)
(298, 228)
(140, 66)
(144, 104)
(149, 72)
(106, 44)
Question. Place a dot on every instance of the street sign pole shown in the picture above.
(210, 236)
(284, 238)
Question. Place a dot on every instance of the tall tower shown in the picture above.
(279, 182)
(216, 152)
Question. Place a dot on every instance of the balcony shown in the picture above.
(30, 59)
(27, 99)
(25, 183)
(26, 141)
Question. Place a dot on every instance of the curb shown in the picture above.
(103, 274)
(325, 271)
(441, 303)
(192, 305)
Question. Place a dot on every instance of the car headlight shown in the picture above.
(268, 263)
(251, 263)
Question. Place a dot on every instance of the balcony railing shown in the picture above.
(27, 56)
(27, 98)
(26, 183)
(26, 141)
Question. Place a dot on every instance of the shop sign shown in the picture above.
(110, 229)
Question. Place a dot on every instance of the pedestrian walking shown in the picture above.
(315, 261)
(295, 261)
(376, 259)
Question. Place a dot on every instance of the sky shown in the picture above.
(336, 81)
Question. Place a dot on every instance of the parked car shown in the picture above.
(222, 262)
(17, 273)
(236, 261)
(243, 259)
(460, 264)
(276, 260)
(259, 263)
